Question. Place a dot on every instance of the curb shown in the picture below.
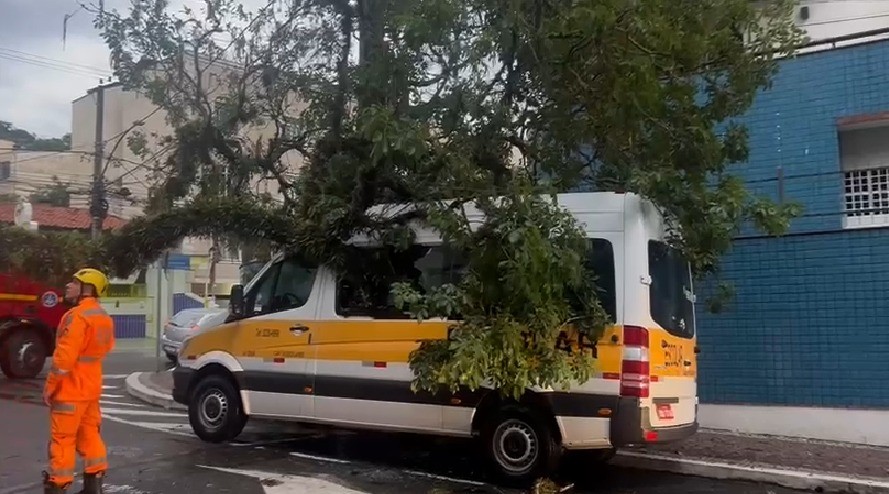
(137, 390)
(791, 479)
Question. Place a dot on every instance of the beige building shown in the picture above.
(128, 176)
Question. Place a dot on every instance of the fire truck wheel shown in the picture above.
(22, 354)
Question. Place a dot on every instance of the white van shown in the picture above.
(301, 346)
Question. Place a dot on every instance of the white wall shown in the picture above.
(827, 424)
(862, 149)
(833, 18)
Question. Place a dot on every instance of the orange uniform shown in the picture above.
(74, 386)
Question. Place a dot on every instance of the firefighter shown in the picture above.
(74, 385)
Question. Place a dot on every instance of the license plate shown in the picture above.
(665, 412)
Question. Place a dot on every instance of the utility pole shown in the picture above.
(211, 286)
(98, 206)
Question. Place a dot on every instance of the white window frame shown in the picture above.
(865, 182)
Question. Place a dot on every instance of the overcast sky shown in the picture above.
(39, 75)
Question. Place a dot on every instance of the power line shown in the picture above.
(846, 19)
(47, 65)
(55, 61)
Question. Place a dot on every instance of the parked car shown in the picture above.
(186, 323)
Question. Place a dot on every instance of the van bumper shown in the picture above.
(631, 426)
(182, 380)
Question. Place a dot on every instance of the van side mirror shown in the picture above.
(236, 302)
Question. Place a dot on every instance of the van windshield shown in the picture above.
(671, 297)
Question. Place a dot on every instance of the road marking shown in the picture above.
(442, 477)
(123, 489)
(277, 483)
(33, 486)
(119, 403)
(318, 458)
(273, 441)
(174, 429)
(115, 376)
(109, 395)
(143, 413)
(108, 386)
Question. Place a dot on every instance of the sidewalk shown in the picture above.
(788, 462)
(141, 345)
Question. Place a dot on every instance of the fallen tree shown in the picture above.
(449, 102)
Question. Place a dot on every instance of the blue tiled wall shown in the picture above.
(182, 301)
(129, 326)
(809, 324)
(793, 125)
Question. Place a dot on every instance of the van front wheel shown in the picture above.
(520, 446)
(215, 411)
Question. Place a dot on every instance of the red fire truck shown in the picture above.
(29, 314)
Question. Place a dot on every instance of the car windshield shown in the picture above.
(187, 318)
(671, 296)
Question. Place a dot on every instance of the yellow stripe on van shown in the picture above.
(392, 341)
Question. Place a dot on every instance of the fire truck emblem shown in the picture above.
(49, 299)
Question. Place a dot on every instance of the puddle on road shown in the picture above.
(457, 463)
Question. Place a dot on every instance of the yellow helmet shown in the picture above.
(93, 277)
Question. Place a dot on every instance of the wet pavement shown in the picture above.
(152, 451)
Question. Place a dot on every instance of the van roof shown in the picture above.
(575, 202)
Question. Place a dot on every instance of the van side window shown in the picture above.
(259, 299)
(294, 286)
(286, 285)
(599, 262)
(365, 287)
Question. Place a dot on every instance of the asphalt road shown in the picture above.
(152, 451)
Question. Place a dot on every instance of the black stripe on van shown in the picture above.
(562, 403)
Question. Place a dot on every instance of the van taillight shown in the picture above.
(635, 368)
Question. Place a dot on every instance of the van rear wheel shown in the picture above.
(215, 411)
(520, 446)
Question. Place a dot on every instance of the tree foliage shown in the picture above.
(55, 194)
(442, 104)
(53, 256)
(27, 141)
(524, 281)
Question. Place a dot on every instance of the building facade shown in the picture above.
(128, 176)
(806, 335)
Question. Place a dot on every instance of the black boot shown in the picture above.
(92, 483)
(51, 487)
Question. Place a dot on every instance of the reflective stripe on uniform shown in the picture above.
(94, 312)
(56, 370)
(67, 320)
(94, 462)
(64, 407)
(61, 472)
(88, 360)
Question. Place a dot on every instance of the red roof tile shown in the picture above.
(60, 217)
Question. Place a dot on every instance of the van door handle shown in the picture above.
(299, 330)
